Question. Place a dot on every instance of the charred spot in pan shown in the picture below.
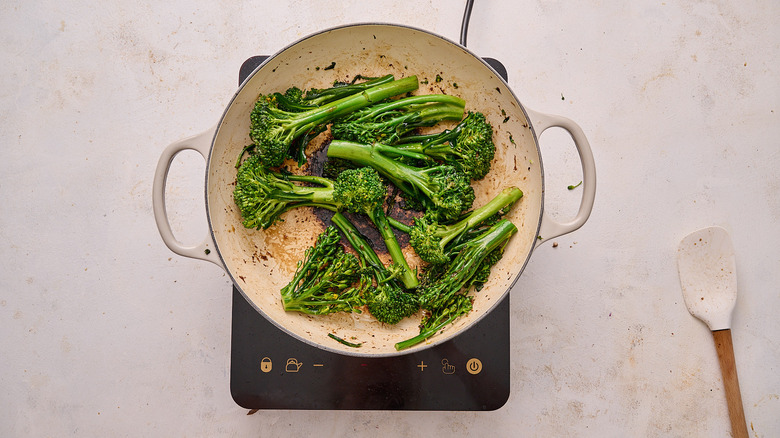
(316, 160)
(365, 227)
(322, 215)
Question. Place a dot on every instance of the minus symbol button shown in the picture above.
(318, 365)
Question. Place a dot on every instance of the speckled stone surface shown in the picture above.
(105, 332)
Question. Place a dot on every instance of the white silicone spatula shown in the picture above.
(708, 275)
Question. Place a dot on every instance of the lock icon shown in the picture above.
(266, 365)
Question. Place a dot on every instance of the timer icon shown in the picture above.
(474, 366)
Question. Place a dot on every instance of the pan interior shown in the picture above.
(261, 262)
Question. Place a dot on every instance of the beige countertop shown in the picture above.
(105, 332)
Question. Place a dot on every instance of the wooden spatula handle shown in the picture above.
(728, 369)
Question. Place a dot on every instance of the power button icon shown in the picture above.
(474, 366)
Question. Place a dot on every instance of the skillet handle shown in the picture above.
(200, 143)
(549, 227)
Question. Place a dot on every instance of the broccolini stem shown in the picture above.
(478, 248)
(358, 242)
(345, 342)
(320, 96)
(408, 277)
(425, 334)
(369, 155)
(346, 105)
(507, 197)
(397, 152)
(398, 225)
(456, 107)
(325, 182)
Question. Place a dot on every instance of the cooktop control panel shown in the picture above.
(272, 370)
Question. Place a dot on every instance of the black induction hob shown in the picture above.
(270, 369)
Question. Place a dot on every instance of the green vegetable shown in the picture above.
(429, 238)
(444, 190)
(574, 186)
(324, 281)
(361, 191)
(387, 301)
(468, 262)
(320, 96)
(295, 100)
(345, 342)
(263, 196)
(373, 142)
(443, 296)
(469, 145)
(273, 129)
(437, 319)
(387, 122)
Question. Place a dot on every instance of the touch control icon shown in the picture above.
(447, 367)
(474, 366)
(293, 366)
(266, 365)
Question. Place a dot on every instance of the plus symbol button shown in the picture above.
(422, 366)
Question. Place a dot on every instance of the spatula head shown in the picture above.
(708, 275)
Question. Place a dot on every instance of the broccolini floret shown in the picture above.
(469, 145)
(443, 190)
(443, 296)
(468, 262)
(263, 195)
(327, 280)
(274, 130)
(429, 238)
(387, 301)
(387, 122)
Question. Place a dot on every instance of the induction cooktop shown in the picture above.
(270, 369)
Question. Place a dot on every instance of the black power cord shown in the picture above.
(464, 27)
